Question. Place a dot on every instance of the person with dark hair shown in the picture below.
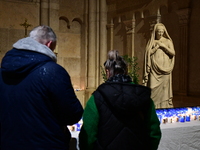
(37, 100)
(119, 115)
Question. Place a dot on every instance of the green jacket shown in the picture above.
(89, 130)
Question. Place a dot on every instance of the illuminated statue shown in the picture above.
(159, 63)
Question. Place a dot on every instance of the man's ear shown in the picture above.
(51, 45)
(48, 44)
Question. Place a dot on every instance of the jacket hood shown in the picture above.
(26, 55)
(125, 97)
(32, 45)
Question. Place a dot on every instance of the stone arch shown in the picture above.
(63, 23)
(78, 20)
(76, 26)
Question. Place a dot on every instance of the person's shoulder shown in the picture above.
(54, 68)
(52, 64)
(142, 87)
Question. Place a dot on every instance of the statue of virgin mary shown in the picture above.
(159, 63)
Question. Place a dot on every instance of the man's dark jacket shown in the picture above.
(36, 99)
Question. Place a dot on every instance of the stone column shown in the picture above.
(103, 36)
(44, 12)
(110, 30)
(184, 15)
(130, 31)
(54, 14)
(92, 51)
(92, 45)
(97, 50)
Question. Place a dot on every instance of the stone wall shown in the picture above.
(12, 14)
(70, 40)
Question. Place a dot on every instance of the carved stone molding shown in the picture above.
(130, 26)
(184, 15)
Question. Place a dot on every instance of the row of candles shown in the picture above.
(170, 115)
(182, 115)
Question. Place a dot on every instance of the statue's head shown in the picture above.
(160, 30)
